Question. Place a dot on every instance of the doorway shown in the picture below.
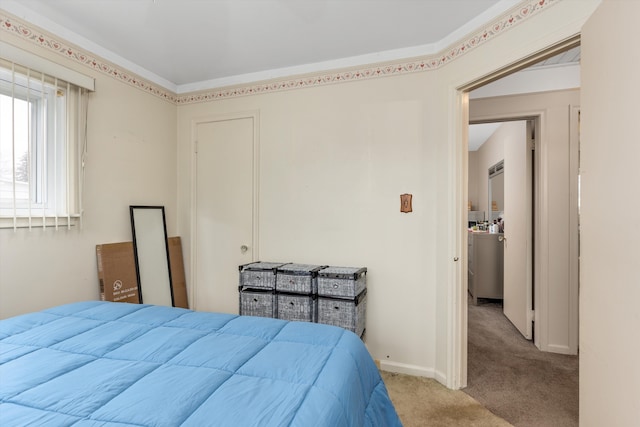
(510, 206)
(555, 232)
(554, 220)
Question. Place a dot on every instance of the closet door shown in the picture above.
(224, 210)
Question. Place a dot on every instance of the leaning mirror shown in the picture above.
(151, 252)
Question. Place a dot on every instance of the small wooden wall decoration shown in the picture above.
(405, 203)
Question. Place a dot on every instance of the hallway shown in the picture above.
(512, 378)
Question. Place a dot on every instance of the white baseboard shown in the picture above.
(403, 368)
(440, 377)
(560, 349)
(416, 371)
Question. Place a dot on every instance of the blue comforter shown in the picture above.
(113, 364)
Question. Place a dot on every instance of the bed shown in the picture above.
(108, 364)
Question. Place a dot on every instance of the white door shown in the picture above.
(223, 230)
(518, 236)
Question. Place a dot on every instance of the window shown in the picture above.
(42, 125)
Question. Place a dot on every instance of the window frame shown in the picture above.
(53, 136)
(47, 145)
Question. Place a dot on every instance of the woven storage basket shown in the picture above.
(255, 302)
(298, 278)
(342, 282)
(301, 308)
(348, 314)
(259, 275)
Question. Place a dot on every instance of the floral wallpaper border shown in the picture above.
(35, 35)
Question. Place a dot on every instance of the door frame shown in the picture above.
(537, 266)
(254, 115)
(457, 331)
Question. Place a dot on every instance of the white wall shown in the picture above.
(473, 181)
(610, 279)
(479, 162)
(490, 153)
(131, 160)
(333, 163)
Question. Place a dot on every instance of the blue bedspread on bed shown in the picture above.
(113, 364)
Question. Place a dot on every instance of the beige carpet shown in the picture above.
(422, 402)
(513, 379)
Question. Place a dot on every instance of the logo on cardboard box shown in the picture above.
(120, 293)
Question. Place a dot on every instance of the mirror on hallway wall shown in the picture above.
(496, 190)
(151, 252)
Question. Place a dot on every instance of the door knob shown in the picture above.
(244, 248)
(502, 238)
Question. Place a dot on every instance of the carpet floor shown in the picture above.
(512, 378)
(422, 402)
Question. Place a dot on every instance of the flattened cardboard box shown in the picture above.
(117, 272)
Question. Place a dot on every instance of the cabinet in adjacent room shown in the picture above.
(486, 266)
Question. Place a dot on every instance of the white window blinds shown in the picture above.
(42, 148)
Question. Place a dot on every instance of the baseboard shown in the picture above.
(560, 349)
(403, 368)
(440, 377)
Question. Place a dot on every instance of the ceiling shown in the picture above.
(226, 42)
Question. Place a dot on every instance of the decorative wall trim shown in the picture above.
(37, 36)
(511, 18)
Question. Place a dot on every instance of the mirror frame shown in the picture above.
(139, 231)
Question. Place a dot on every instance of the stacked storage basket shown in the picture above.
(342, 297)
(258, 289)
(303, 292)
(297, 292)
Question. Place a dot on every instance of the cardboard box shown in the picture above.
(117, 272)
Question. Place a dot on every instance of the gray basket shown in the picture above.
(348, 314)
(259, 275)
(301, 308)
(342, 282)
(257, 303)
(298, 278)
